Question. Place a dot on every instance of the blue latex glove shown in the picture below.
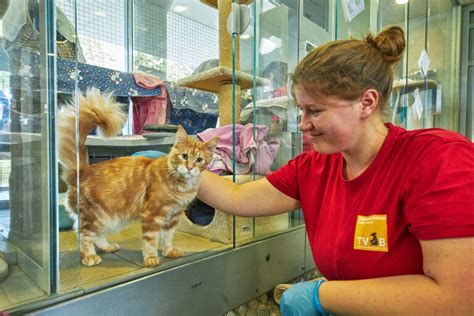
(298, 300)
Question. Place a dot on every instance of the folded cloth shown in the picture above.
(148, 111)
(147, 81)
(247, 149)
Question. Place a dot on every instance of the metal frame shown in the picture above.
(466, 112)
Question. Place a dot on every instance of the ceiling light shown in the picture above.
(102, 14)
(267, 46)
(180, 8)
(401, 1)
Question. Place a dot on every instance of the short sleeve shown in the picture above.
(439, 196)
(285, 179)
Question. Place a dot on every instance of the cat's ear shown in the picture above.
(181, 134)
(211, 144)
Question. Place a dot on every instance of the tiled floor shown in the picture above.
(265, 305)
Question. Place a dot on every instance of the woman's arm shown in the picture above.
(446, 288)
(255, 198)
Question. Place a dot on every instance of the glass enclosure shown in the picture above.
(432, 35)
(171, 63)
(28, 184)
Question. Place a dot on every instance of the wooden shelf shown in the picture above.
(210, 80)
(213, 3)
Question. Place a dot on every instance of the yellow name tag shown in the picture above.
(371, 233)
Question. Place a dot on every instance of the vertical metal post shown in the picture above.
(47, 12)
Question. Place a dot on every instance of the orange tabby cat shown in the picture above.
(115, 192)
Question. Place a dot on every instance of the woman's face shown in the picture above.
(333, 123)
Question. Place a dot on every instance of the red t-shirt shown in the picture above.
(419, 186)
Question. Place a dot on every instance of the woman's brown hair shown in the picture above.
(346, 68)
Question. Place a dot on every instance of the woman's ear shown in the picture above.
(369, 102)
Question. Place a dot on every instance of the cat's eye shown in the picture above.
(199, 159)
(184, 156)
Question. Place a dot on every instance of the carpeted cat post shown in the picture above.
(219, 80)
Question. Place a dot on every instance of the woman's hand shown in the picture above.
(255, 198)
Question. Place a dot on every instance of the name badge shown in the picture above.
(371, 233)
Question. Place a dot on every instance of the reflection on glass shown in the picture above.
(191, 60)
(354, 18)
(395, 13)
(24, 218)
(429, 28)
(416, 43)
(169, 45)
(442, 81)
(266, 108)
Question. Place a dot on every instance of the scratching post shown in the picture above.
(219, 80)
(225, 104)
(225, 60)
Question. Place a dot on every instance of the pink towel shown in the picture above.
(260, 150)
(147, 81)
(149, 111)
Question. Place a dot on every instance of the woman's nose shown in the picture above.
(305, 124)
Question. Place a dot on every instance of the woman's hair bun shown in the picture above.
(390, 42)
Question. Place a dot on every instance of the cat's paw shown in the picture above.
(91, 260)
(110, 248)
(173, 253)
(151, 261)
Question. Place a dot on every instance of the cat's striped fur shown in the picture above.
(115, 192)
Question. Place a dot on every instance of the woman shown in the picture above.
(388, 212)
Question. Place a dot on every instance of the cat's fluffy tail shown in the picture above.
(95, 110)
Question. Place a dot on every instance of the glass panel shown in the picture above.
(191, 56)
(69, 50)
(355, 18)
(101, 30)
(198, 76)
(442, 86)
(265, 50)
(416, 43)
(174, 46)
(25, 254)
(425, 22)
(313, 31)
(394, 13)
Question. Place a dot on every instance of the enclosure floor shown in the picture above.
(125, 264)
(17, 288)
